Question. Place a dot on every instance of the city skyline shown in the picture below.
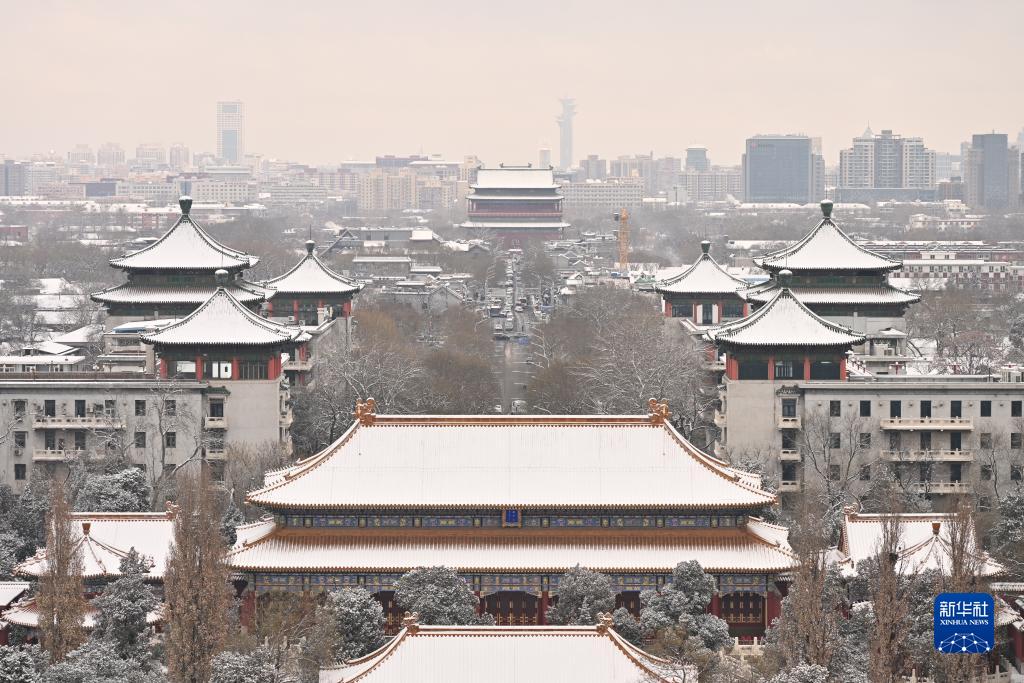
(470, 98)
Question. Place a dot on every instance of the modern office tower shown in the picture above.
(150, 156)
(782, 168)
(81, 155)
(179, 157)
(565, 133)
(544, 157)
(697, 159)
(593, 168)
(886, 166)
(991, 173)
(110, 154)
(231, 131)
(13, 178)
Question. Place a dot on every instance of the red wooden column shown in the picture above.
(199, 367)
(807, 368)
(771, 366)
(270, 308)
(732, 367)
(668, 308)
(247, 612)
(542, 613)
(163, 368)
(479, 603)
(716, 605)
(295, 309)
(842, 368)
(234, 368)
(346, 310)
(773, 607)
(694, 318)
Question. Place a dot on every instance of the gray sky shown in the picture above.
(326, 81)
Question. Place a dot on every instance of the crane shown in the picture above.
(623, 219)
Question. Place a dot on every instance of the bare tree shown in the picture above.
(61, 604)
(890, 607)
(835, 450)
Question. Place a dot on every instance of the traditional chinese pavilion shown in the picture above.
(516, 203)
(704, 293)
(309, 289)
(512, 502)
(837, 278)
(173, 276)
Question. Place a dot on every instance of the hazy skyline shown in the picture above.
(323, 82)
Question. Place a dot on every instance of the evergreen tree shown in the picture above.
(582, 594)
(243, 667)
(21, 665)
(802, 673)
(60, 601)
(10, 550)
(229, 521)
(98, 662)
(439, 596)
(359, 622)
(1008, 533)
(123, 607)
(123, 491)
(195, 582)
(682, 604)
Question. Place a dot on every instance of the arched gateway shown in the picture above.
(511, 503)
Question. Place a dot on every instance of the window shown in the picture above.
(926, 408)
(924, 471)
(835, 408)
(789, 407)
(956, 440)
(170, 407)
(753, 369)
(984, 503)
(252, 369)
(865, 408)
(79, 440)
(216, 408)
(140, 439)
(789, 471)
(109, 407)
(864, 439)
(895, 409)
(986, 408)
(986, 473)
(956, 409)
(20, 405)
(865, 472)
(1016, 472)
(895, 441)
(985, 440)
(1015, 408)
(50, 440)
(834, 440)
(956, 471)
(20, 439)
(732, 309)
(834, 472)
(79, 408)
(788, 439)
(1015, 439)
(171, 439)
(19, 472)
(824, 369)
(926, 441)
(140, 408)
(786, 369)
(50, 408)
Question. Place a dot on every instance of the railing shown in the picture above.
(789, 486)
(297, 365)
(53, 455)
(76, 421)
(789, 454)
(998, 676)
(789, 423)
(216, 453)
(745, 651)
(928, 454)
(941, 487)
(927, 423)
(216, 422)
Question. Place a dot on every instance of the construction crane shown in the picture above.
(623, 219)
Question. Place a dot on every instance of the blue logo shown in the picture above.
(965, 623)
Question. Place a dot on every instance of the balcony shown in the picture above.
(216, 453)
(789, 423)
(297, 365)
(941, 487)
(929, 455)
(938, 424)
(747, 650)
(789, 455)
(211, 422)
(94, 421)
(789, 487)
(48, 455)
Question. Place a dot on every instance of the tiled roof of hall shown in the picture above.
(815, 296)
(784, 321)
(224, 321)
(312, 276)
(500, 461)
(705, 276)
(186, 246)
(127, 293)
(515, 178)
(826, 248)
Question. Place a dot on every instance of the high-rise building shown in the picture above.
(782, 168)
(697, 159)
(593, 168)
(81, 155)
(565, 133)
(231, 131)
(13, 177)
(110, 155)
(179, 157)
(150, 156)
(885, 166)
(992, 173)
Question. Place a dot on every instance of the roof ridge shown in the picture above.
(786, 252)
(245, 260)
(724, 332)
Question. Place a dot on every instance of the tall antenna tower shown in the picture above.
(565, 133)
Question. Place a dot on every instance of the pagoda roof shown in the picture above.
(826, 248)
(26, 615)
(784, 321)
(312, 276)
(186, 246)
(539, 461)
(224, 321)
(813, 296)
(509, 654)
(515, 178)
(755, 548)
(924, 543)
(105, 538)
(705, 276)
(128, 293)
(11, 591)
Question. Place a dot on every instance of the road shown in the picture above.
(511, 354)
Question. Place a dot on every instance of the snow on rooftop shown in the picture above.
(312, 276)
(515, 177)
(705, 276)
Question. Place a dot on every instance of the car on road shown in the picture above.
(519, 308)
(509, 325)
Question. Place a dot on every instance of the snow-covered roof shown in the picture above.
(515, 177)
(520, 225)
(245, 292)
(11, 591)
(26, 615)
(82, 335)
(106, 538)
(51, 348)
(508, 654)
(312, 276)
(758, 548)
(826, 247)
(186, 246)
(705, 276)
(510, 461)
(784, 321)
(924, 541)
(812, 296)
(223, 321)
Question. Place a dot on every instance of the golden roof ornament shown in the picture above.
(658, 412)
(366, 412)
(411, 621)
(604, 622)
